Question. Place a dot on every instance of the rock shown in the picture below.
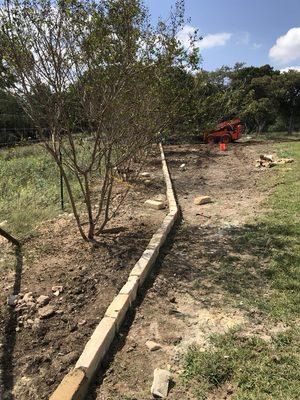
(12, 299)
(153, 346)
(46, 312)
(42, 300)
(267, 157)
(160, 197)
(160, 385)
(155, 205)
(147, 182)
(3, 223)
(182, 167)
(73, 327)
(28, 297)
(200, 200)
(57, 293)
(172, 299)
(56, 289)
(145, 175)
(69, 358)
(82, 322)
(285, 160)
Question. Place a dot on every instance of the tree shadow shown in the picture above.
(9, 335)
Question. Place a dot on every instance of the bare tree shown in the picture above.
(88, 74)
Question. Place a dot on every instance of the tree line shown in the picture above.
(264, 98)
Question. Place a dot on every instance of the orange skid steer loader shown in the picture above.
(226, 132)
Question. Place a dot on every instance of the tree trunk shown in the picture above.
(291, 122)
(9, 237)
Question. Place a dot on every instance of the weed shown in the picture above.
(29, 188)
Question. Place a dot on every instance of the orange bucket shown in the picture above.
(222, 146)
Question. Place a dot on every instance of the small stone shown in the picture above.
(267, 157)
(155, 204)
(160, 385)
(182, 167)
(130, 349)
(28, 297)
(172, 299)
(57, 293)
(42, 300)
(57, 288)
(82, 322)
(36, 324)
(3, 223)
(145, 175)
(200, 200)
(160, 197)
(69, 358)
(153, 346)
(73, 328)
(46, 312)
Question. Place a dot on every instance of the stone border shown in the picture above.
(74, 385)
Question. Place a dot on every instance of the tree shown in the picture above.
(90, 76)
(288, 95)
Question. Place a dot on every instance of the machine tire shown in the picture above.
(210, 139)
(226, 139)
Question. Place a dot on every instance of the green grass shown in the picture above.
(268, 280)
(284, 135)
(254, 368)
(29, 188)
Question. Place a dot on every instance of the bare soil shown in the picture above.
(186, 299)
(37, 353)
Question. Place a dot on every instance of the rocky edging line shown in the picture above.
(74, 385)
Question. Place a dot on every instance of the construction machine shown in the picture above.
(225, 132)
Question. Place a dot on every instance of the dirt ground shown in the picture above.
(185, 301)
(35, 353)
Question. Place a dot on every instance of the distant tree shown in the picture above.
(287, 94)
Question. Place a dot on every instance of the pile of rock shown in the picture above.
(33, 309)
(270, 160)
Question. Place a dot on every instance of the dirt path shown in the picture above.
(189, 296)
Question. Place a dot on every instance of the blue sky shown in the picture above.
(253, 31)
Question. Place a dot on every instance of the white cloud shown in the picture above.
(208, 41)
(293, 68)
(287, 47)
(214, 40)
(184, 36)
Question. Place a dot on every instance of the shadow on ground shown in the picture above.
(9, 335)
